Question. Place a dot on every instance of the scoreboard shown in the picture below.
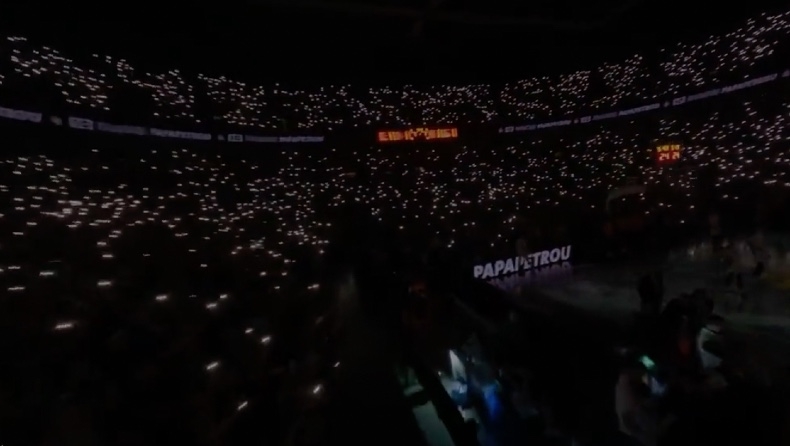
(417, 134)
(668, 153)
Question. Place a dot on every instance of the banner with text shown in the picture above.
(648, 107)
(527, 262)
(79, 123)
(20, 115)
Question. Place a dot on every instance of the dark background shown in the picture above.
(324, 41)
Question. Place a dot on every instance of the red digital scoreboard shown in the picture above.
(668, 154)
(417, 134)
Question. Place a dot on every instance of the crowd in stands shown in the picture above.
(156, 291)
(104, 84)
(143, 269)
(148, 294)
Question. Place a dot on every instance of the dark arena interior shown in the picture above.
(416, 222)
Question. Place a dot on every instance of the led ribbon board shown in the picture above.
(417, 134)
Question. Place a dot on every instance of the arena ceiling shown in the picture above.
(330, 40)
(548, 14)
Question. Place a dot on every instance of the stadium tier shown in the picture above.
(110, 90)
